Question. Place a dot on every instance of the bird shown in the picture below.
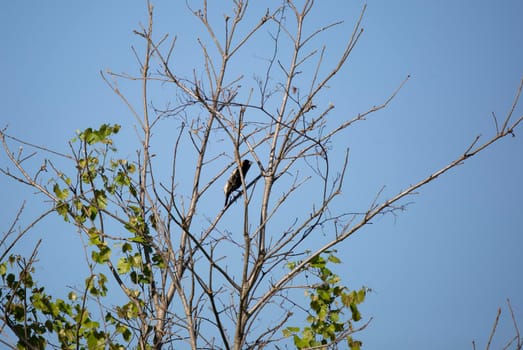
(235, 181)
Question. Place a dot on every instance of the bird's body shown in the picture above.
(235, 180)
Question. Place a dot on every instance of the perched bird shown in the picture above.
(235, 180)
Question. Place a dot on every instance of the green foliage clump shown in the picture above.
(30, 312)
(333, 308)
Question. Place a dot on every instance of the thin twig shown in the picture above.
(493, 329)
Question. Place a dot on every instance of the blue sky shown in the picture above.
(439, 270)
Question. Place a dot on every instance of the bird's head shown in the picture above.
(246, 164)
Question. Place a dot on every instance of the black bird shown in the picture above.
(235, 180)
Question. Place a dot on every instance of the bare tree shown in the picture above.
(191, 274)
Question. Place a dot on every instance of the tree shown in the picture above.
(188, 274)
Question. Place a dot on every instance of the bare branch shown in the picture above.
(493, 329)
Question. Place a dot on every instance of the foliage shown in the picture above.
(29, 311)
(33, 315)
(329, 301)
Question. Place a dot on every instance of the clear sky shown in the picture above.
(439, 270)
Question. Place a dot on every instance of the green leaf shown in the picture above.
(91, 211)
(79, 219)
(353, 344)
(287, 332)
(101, 256)
(300, 342)
(65, 307)
(128, 311)
(136, 260)
(317, 262)
(158, 261)
(72, 296)
(334, 259)
(96, 340)
(95, 238)
(356, 316)
(361, 295)
(102, 288)
(136, 210)
(324, 295)
(62, 208)
(132, 190)
(137, 239)
(126, 247)
(334, 316)
(61, 194)
(11, 280)
(124, 331)
(101, 199)
(123, 266)
(122, 179)
(291, 265)
(134, 277)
